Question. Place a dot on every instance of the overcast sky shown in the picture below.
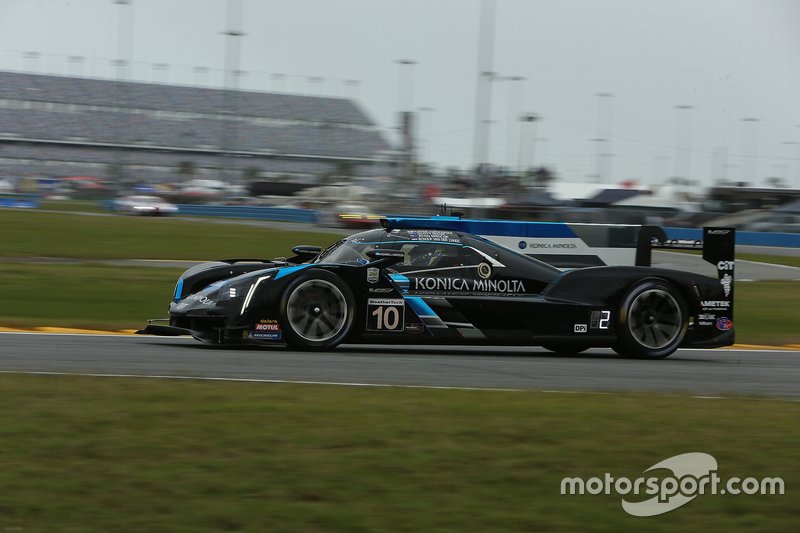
(728, 59)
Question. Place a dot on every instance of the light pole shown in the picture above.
(483, 96)
(424, 139)
(605, 119)
(124, 51)
(515, 104)
(405, 100)
(405, 84)
(750, 149)
(529, 118)
(797, 161)
(683, 141)
(228, 133)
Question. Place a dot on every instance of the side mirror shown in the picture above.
(306, 251)
(382, 257)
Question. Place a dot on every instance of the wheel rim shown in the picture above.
(317, 310)
(655, 319)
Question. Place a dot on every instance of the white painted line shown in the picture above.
(709, 397)
(383, 385)
(258, 380)
(432, 346)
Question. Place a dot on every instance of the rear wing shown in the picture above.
(719, 249)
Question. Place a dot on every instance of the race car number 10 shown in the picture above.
(385, 314)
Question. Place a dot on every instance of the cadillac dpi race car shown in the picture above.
(444, 280)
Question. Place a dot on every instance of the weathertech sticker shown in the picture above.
(386, 314)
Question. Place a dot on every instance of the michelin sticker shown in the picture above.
(267, 329)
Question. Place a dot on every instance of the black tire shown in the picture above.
(566, 347)
(651, 321)
(316, 311)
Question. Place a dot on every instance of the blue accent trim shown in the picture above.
(398, 278)
(178, 290)
(420, 307)
(285, 271)
(236, 211)
(401, 281)
(497, 228)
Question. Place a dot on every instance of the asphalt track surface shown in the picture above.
(721, 372)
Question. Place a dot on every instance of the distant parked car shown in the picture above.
(144, 205)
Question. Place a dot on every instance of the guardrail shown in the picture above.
(744, 238)
(21, 200)
(283, 214)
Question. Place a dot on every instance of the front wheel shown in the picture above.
(317, 311)
(652, 321)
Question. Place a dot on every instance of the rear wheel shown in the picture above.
(317, 311)
(652, 321)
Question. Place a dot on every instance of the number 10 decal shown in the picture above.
(386, 314)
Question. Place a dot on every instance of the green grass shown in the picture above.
(112, 297)
(31, 233)
(774, 259)
(84, 296)
(85, 206)
(767, 312)
(762, 258)
(100, 454)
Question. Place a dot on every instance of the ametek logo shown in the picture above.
(692, 474)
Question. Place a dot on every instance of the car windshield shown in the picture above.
(346, 252)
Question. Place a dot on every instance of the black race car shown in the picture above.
(436, 281)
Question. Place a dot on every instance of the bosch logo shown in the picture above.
(523, 245)
(725, 265)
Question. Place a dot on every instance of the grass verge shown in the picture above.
(84, 296)
(767, 312)
(786, 260)
(93, 454)
(39, 233)
(111, 297)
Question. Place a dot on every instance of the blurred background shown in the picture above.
(669, 112)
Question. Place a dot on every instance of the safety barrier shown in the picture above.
(24, 201)
(283, 214)
(744, 238)
(280, 214)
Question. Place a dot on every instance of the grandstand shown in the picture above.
(59, 126)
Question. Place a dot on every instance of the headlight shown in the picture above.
(252, 291)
